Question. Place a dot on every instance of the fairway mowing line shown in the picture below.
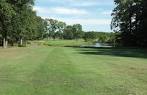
(64, 71)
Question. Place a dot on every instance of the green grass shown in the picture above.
(65, 43)
(72, 71)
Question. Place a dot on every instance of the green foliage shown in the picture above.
(129, 18)
(18, 22)
(6, 14)
(68, 32)
(101, 37)
(59, 30)
(54, 28)
(90, 36)
(77, 31)
(73, 32)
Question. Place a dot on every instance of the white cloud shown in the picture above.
(60, 10)
(82, 3)
(90, 24)
(90, 3)
(40, 10)
(89, 21)
(69, 11)
(108, 12)
(66, 11)
(97, 12)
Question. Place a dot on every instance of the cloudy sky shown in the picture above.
(92, 14)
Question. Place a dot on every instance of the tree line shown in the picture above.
(130, 22)
(60, 30)
(19, 23)
(101, 37)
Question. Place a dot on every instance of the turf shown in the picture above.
(43, 70)
(66, 43)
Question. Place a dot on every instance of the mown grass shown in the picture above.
(43, 70)
(66, 43)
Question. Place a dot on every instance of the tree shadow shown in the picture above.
(120, 52)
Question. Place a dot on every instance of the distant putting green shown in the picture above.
(72, 71)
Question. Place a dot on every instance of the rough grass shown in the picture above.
(72, 71)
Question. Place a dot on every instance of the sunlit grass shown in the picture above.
(71, 71)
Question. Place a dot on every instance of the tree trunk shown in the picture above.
(5, 43)
(21, 42)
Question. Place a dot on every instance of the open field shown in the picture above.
(72, 71)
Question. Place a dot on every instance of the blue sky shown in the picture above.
(94, 15)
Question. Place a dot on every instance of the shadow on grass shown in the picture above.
(120, 52)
